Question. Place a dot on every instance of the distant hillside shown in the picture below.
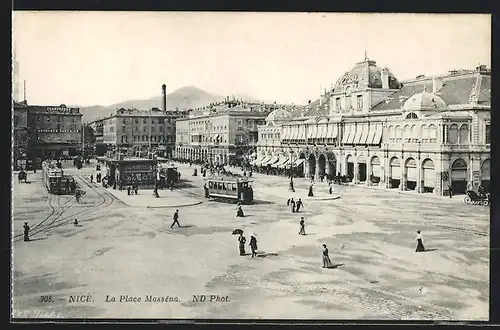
(188, 97)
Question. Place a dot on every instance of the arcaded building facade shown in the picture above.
(425, 134)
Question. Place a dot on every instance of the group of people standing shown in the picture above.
(253, 244)
(296, 206)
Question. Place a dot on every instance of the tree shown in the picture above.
(89, 135)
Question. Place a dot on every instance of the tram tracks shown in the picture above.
(55, 217)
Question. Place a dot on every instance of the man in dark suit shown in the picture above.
(176, 219)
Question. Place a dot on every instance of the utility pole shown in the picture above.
(83, 139)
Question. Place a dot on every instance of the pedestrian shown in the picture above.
(299, 205)
(327, 263)
(420, 245)
(239, 211)
(66, 185)
(310, 194)
(136, 189)
(292, 203)
(330, 189)
(288, 202)
(75, 223)
(73, 186)
(91, 178)
(26, 232)
(302, 226)
(128, 190)
(242, 240)
(253, 245)
(450, 190)
(176, 219)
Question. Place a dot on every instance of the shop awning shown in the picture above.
(275, 164)
(324, 131)
(273, 160)
(332, 131)
(284, 133)
(282, 162)
(310, 132)
(357, 136)
(352, 133)
(262, 160)
(378, 135)
(364, 135)
(345, 134)
(299, 162)
(372, 129)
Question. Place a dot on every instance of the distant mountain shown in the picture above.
(189, 97)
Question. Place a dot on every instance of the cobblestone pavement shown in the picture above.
(122, 250)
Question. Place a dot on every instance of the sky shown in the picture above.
(90, 58)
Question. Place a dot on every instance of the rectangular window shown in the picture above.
(48, 119)
(137, 129)
(124, 121)
(124, 128)
(161, 129)
(144, 121)
(38, 119)
(488, 134)
(337, 103)
(348, 104)
(58, 118)
(136, 121)
(359, 102)
(73, 119)
(144, 129)
(240, 123)
(152, 129)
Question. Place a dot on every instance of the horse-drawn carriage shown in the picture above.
(477, 199)
(22, 176)
(228, 189)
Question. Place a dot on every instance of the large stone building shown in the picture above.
(423, 134)
(42, 132)
(223, 135)
(134, 130)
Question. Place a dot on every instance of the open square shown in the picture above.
(120, 250)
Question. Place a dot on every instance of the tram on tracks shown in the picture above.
(230, 190)
(52, 177)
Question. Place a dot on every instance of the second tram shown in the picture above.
(230, 190)
(52, 177)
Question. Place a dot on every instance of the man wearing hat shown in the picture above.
(26, 232)
(302, 226)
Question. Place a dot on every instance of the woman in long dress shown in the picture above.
(242, 241)
(310, 191)
(239, 211)
(253, 245)
(327, 263)
(420, 245)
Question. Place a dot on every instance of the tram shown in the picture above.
(52, 176)
(230, 189)
(168, 175)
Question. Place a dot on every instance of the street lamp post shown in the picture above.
(291, 188)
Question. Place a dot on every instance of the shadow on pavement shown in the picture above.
(335, 266)
(429, 250)
(37, 239)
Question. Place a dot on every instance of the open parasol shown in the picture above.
(237, 232)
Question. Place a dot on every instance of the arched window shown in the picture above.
(453, 134)
(414, 133)
(411, 115)
(407, 133)
(432, 133)
(392, 134)
(399, 133)
(464, 134)
(425, 133)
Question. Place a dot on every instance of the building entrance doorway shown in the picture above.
(459, 177)
(362, 172)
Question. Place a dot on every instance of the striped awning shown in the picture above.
(272, 161)
(282, 162)
(299, 162)
(263, 161)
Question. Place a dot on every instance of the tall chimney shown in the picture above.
(164, 92)
(384, 76)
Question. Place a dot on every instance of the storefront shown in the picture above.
(130, 171)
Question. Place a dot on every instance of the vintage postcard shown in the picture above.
(231, 165)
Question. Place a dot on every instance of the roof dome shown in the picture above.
(424, 101)
(278, 115)
(366, 74)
